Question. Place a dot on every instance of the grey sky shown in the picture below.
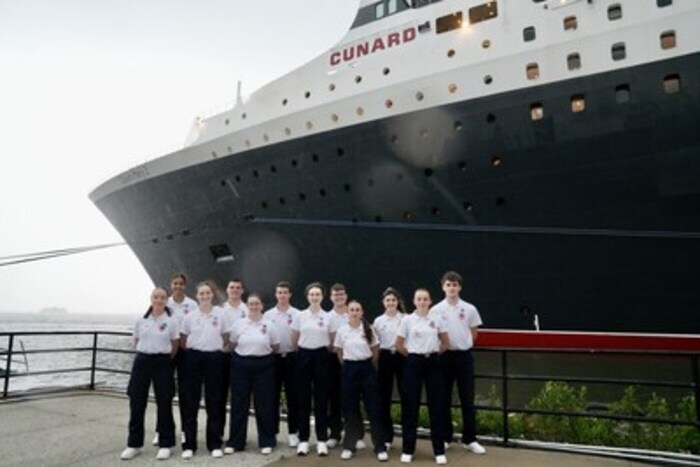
(89, 88)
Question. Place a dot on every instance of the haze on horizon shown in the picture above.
(89, 89)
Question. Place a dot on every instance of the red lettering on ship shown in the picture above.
(369, 47)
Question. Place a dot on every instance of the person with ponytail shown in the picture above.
(156, 336)
(357, 347)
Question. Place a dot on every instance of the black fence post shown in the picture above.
(696, 383)
(8, 366)
(504, 389)
(94, 361)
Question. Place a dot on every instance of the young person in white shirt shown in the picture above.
(312, 336)
(254, 340)
(282, 315)
(462, 320)
(339, 317)
(156, 336)
(203, 335)
(357, 347)
(421, 338)
(391, 363)
(234, 309)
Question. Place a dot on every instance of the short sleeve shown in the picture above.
(375, 338)
(185, 329)
(137, 329)
(339, 340)
(296, 322)
(274, 334)
(174, 329)
(403, 329)
(475, 318)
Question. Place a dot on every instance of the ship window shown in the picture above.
(358, 79)
(486, 43)
(448, 22)
(452, 88)
(360, 111)
(668, 40)
(578, 103)
(307, 94)
(379, 10)
(618, 51)
(266, 137)
(451, 53)
(392, 6)
(331, 87)
(386, 71)
(488, 10)
(529, 34)
(496, 161)
(615, 12)
(488, 79)
(622, 94)
(288, 131)
(663, 3)
(221, 253)
(533, 71)
(672, 84)
(335, 118)
(537, 111)
(420, 96)
(284, 101)
(227, 121)
(573, 61)
(570, 23)
(424, 27)
(309, 126)
(388, 103)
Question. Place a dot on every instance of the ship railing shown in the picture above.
(505, 346)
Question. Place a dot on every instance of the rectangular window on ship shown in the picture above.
(448, 22)
(488, 10)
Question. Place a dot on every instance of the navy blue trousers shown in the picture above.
(157, 369)
(285, 373)
(421, 369)
(225, 386)
(203, 368)
(359, 381)
(389, 371)
(252, 376)
(313, 376)
(335, 411)
(458, 365)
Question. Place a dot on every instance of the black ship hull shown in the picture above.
(591, 219)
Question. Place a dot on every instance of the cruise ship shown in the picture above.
(548, 150)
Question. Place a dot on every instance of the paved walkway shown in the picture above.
(89, 428)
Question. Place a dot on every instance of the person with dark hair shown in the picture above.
(357, 347)
(421, 338)
(312, 336)
(203, 335)
(282, 316)
(391, 362)
(254, 340)
(462, 320)
(339, 317)
(156, 336)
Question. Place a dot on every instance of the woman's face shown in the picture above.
(314, 296)
(255, 306)
(355, 311)
(178, 286)
(390, 302)
(205, 295)
(421, 300)
(158, 299)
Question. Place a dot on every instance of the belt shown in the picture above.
(423, 355)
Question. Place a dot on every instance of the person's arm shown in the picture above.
(339, 354)
(183, 341)
(275, 348)
(475, 333)
(174, 346)
(375, 355)
(401, 346)
(444, 342)
(295, 340)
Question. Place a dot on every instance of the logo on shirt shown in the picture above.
(289, 320)
(432, 324)
(163, 327)
(320, 322)
(264, 329)
(215, 321)
(462, 315)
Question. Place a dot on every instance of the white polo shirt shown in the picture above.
(313, 328)
(386, 326)
(204, 331)
(182, 309)
(155, 335)
(421, 333)
(234, 313)
(337, 320)
(253, 338)
(283, 321)
(458, 321)
(354, 344)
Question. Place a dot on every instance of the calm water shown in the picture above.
(66, 360)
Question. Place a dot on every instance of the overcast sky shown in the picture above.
(89, 88)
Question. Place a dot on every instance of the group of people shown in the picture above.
(329, 361)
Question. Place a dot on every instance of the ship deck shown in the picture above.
(85, 428)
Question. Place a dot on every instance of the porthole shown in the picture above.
(282, 201)
(322, 192)
(488, 79)
(394, 139)
(428, 172)
(237, 178)
(386, 71)
(388, 103)
(266, 138)
(302, 197)
(668, 40)
(314, 157)
(537, 111)
(457, 126)
(451, 53)
(335, 118)
(570, 23)
(309, 126)
(358, 79)
(263, 205)
(462, 166)
(347, 188)
(340, 152)
(420, 96)
(223, 183)
(288, 131)
(227, 121)
(370, 183)
(331, 87)
(486, 43)
(244, 116)
(452, 88)
(228, 148)
(247, 143)
(618, 51)
(622, 94)
(496, 161)
(307, 94)
(500, 201)
(378, 219)
(256, 174)
(284, 101)
(360, 111)
(295, 163)
(490, 118)
(529, 34)
(424, 133)
(213, 154)
(672, 84)
(663, 3)
(615, 12)
(273, 169)
(532, 71)
(573, 61)
(468, 206)
(407, 216)
(578, 103)
(435, 211)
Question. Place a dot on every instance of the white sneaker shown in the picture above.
(217, 453)
(187, 454)
(441, 459)
(360, 444)
(303, 448)
(156, 440)
(321, 448)
(346, 454)
(130, 453)
(266, 451)
(383, 456)
(293, 440)
(475, 447)
(406, 458)
(228, 450)
(163, 453)
(331, 443)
